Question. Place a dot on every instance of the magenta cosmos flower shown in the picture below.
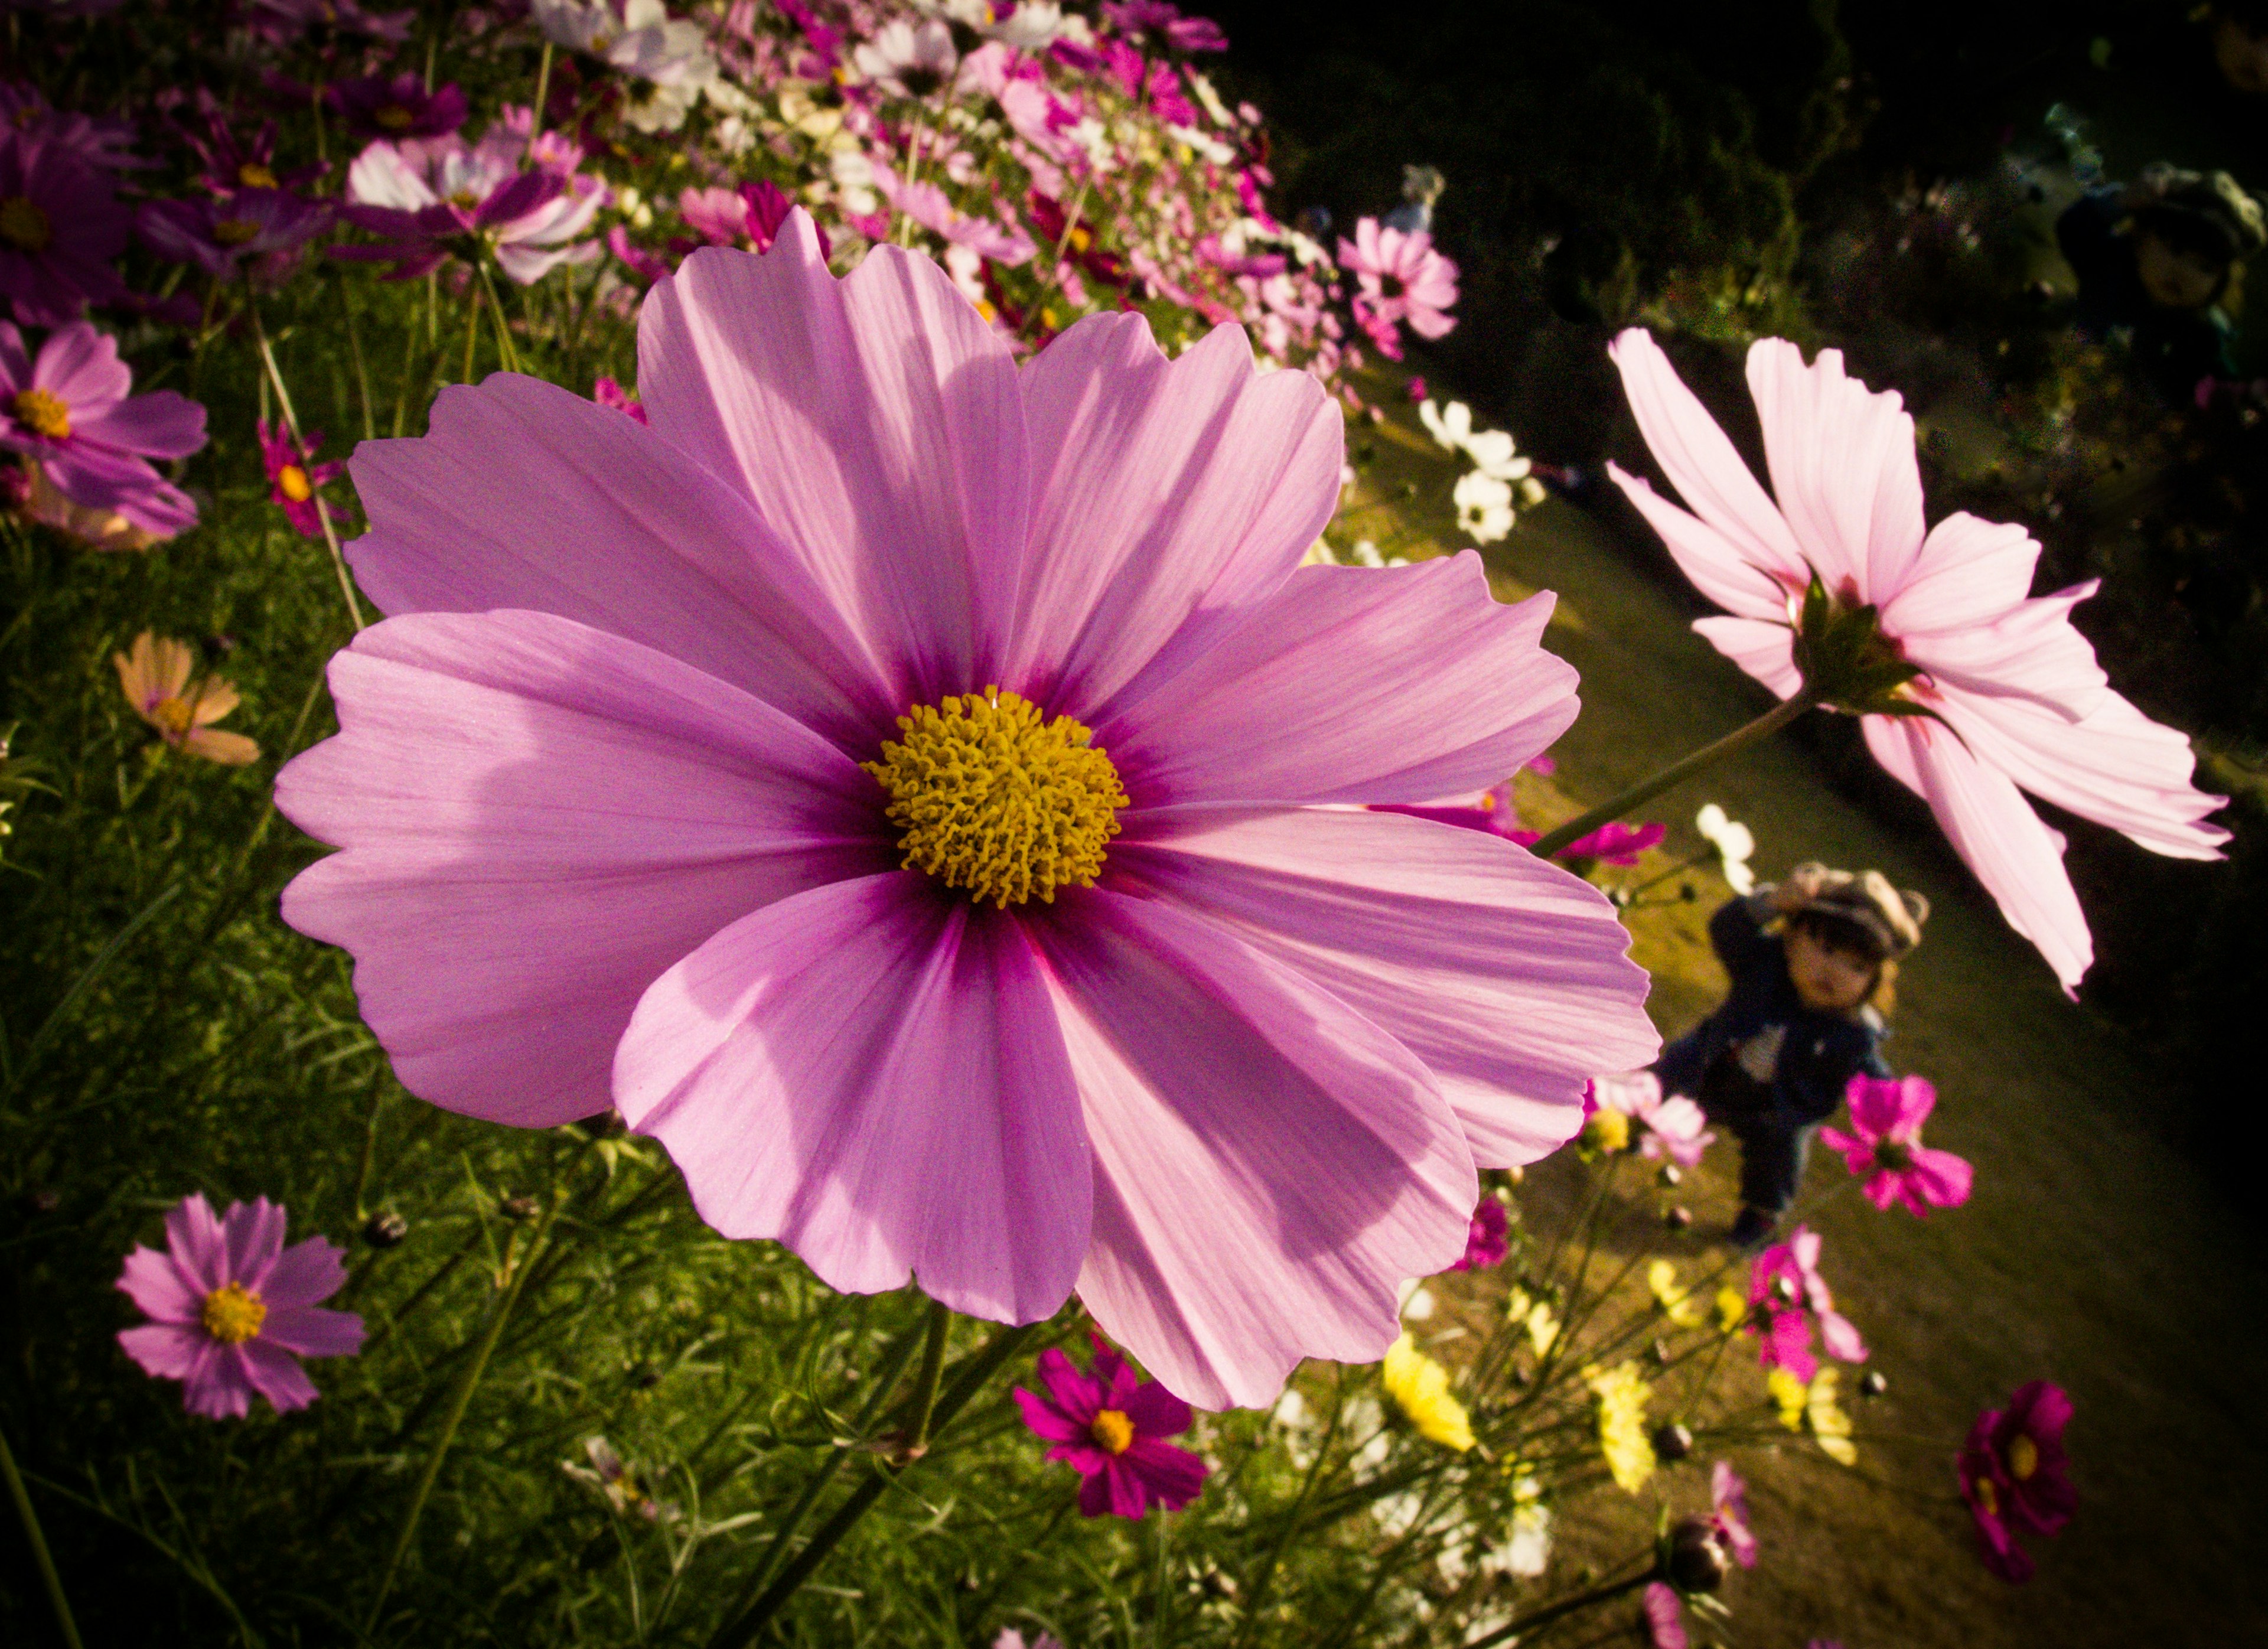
(429, 198)
(70, 411)
(1729, 1514)
(2016, 1476)
(1402, 279)
(59, 226)
(1786, 1294)
(1663, 1616)
(1109, 1425)
(1885, 1145)
(295, 480)
(2016, 702)
(1487, 1242)
(913, 788)
(376, 105)
(218, 235)
(232, 1310)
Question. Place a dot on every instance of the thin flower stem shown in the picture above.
(932, 1369)
(1676, 773)
(459, 1403)
(1678, 869)
(507, 352)
(291, 423)
(543, 91)
(1054, 269)
(40, 1555)
(60, 1012)
(362, 369)
(969, 1378)
(1604, 1593)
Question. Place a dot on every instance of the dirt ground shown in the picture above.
(2090, 1254)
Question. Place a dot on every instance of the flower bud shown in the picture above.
(1670, 1173)
(1678, 1219)
(1661, 1353)
(1672, 1441)
(1873, 1382)
(384, 1230)
(520, 1208)
(1696, 1562)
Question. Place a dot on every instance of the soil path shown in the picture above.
(2090, 1253)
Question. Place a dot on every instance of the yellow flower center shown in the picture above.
(2023, 1459)
(253, 175)
(993, 799)
(1112, 1432)
(232, 1315)
(233, 231)
(25, 225)
(173, 717)
(293, 481)
(42, 414)
(1610, 1131)
(601, 44)
(1986, 1498)
(394, 118)
(465, 198)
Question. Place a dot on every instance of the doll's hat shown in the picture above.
(1868, 902)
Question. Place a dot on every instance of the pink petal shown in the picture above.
(1857, 1154)
(220, 1385)
(1719, 568)
(1943, 1179)
(1045, 1419)
(1708, 474)
(312, 1330)
(1912, 1099)
(1078, 1394)
(1843, 468)
(1157, 1412)
(1236, 1109)
(876, 424)
(80, 367)
(158, 425)
(1169, 495)
(276, 1376)
(1998, 835)
(870, 1073)
(193, 1236)
(304, 1273)
(2032, 652)
(2118, 768)
(1174, 1477)
(1840, 1338)
(1507, 976)
(1763, 649)
(254, 1232)
(525, 496)
(155, 1281)
(539, 819)
(1970, 572)
(1351, 684)
(167, 1351)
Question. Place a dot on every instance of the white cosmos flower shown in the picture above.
(1484, 506)
(909, 60)
(1733, 845)
(1033, 26)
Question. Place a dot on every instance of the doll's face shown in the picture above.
(1828, 978)
(2174, 279)
(2241, 56)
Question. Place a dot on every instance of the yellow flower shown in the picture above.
(1830, 1427)
(1732, 1310)
(1535, 1315)
(1420, 1388)
(155, 678)
(1623, 1438)
(1676, 1302)
(1788, 1392)
(1607, 1131)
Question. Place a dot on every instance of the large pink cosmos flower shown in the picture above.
(608, 839)
(1401, 279)
(232, 1310)
(70, 411)
(2015, 695)
(1110, 1426)
(1885, 1145)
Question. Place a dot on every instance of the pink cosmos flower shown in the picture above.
(909, 60)
(1110, 1425)
(933, 209)
(232, 1309)
(1168, 24)
(645, 797)
(608, 392)
(1402, 279)
(1663, 1616)
(2015, 698)
(104, 141)
(2015, 1477)
(231, 163)
(432, 198)
(1676, 1127)
(376, 105)
(1885, 1145)
(1729, 1514)
(1783, 1285)
(70, 411)
(1486, 1244)
(218, 235)
(294, 482)
(59, 226)
(1613, 842)
(325, 21)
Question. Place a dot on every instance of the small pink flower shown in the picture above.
(1729, 1513)
(1615, 843)
(1885, 1145)
(608, 392)
(2016, 1476)
(1402, 279)
(1787, 1275)
(61, 225)
(218, 235)
(1417, 390)
(70, 411)
(1109, 1425)
(429, 198)
(1664, 1617)
(232, 1309)
(1487, 1245)
(1674, 1127)
(294, 480)
(399, 107)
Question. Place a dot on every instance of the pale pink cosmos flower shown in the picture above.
(909, 60)
(1676, 1127)
(429, 198)
(2022, 704)
(1401, 279)
(607, 839)
(1729, 1514)
(1885, 1145)
(232, 1310)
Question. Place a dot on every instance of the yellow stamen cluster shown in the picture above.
(1987, 1497)
(293, 482)
(232, 1314)
(1607, 1131)
(25, 224)
(1112, 1432)
(253, 175)
(1420, 1388)
(993, 799)
(2023, 1459)
(234, 231)
(42, 413)
(174, 715)
(394, 118)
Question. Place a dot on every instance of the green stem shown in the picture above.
(543, 91)
(1676, 773)
(932, 1369)
(970, 1377)
(462, 1400)
(291, 423)
(507, 352)
(40, 1555)
(60, 1012)
(1604, 1593)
